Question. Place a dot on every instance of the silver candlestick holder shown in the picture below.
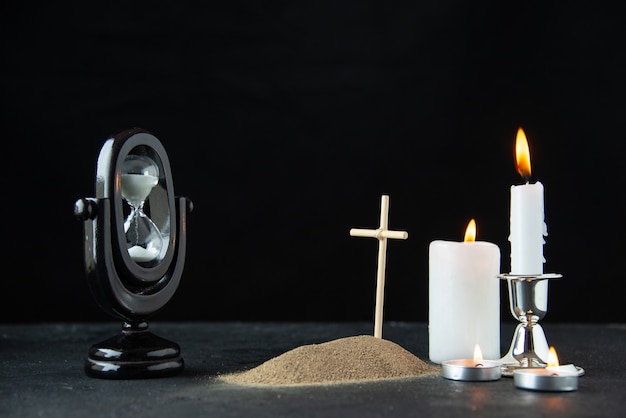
(528, 301)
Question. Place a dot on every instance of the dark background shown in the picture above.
(284, 123)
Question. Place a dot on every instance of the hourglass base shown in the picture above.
(134, 353)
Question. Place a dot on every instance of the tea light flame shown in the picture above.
(522, 155)
(478, 356)
(470, 231)
(553, 359)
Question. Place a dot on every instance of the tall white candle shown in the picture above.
(527, 217)
(464, 300)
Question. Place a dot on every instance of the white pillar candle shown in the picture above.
(527, 229)
(527, 216)
(464, 300)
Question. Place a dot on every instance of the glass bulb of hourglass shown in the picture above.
(140, 175)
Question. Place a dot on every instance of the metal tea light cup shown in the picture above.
(471, 370)
(528, 301)
(546, 380)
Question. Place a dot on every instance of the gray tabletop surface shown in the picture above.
(42, 375)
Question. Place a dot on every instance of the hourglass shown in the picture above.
(140, 174)
(134, 252)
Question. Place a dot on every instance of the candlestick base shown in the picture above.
(528, 301)
(508, 370)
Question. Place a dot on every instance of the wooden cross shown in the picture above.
(382, 233)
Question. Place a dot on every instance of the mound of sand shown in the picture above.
(350, 359)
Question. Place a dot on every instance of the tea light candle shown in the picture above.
(553, 378)
(527, 216)
(464, 298)
(476, 369)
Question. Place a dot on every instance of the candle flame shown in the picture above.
(553, 359)
(522, 155)
(478, 354)
(470, 231)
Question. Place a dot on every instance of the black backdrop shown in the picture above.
(284, 123)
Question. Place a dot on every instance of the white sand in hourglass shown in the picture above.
(135, 189)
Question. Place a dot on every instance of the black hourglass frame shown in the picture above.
(123, 288)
